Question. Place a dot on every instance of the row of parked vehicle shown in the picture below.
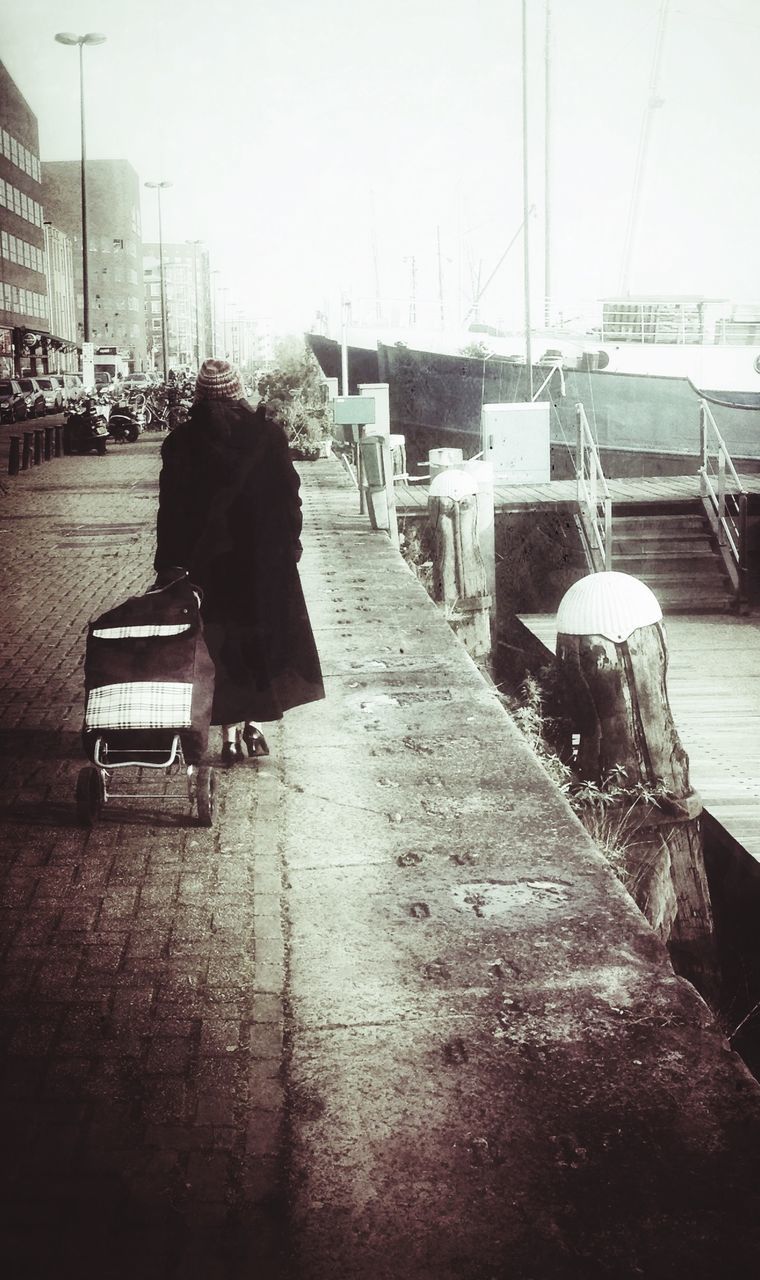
(22, 398)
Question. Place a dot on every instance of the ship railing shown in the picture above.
(594, 500)
(725, 500)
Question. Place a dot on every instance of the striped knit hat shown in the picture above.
(218, 380)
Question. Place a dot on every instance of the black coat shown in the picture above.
(230, 513)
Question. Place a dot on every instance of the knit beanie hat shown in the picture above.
(218, 380)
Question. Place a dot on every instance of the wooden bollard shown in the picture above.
(459, 576)
(14, 455)
(39, 445)
(612, 660)
(26, 452)
(48, 443)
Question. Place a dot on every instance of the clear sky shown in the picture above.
(319, 146)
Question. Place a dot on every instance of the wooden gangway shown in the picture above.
(714, 689)
(411, 498)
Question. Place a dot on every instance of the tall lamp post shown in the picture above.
(158, 187)
(195, 244)
(224, 293)
(214, 340)
(92, 37)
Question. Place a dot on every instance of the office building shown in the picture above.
(114, 244)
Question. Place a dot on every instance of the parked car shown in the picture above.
(13, 407)
(72, 384)
(52, 390)
(35, 400)
(137, 381)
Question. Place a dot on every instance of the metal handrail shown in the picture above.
(726, 507)
(594, 498)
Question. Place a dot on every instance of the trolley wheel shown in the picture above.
(206, 795)
(89, 796)
(131, 432)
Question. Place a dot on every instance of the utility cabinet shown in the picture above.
(515, 440)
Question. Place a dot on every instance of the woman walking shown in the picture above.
(230, 513)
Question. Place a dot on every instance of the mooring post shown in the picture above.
(26, 452)
(48, 443)
(459, 576)
(39, 445)
(58, 445)
(612, 660)
(14, 455)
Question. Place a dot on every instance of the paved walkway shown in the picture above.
(391, 1017)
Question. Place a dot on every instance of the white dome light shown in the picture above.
(613, 605)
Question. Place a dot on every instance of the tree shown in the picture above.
(295, 396)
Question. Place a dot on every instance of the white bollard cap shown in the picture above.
(453, 484)
(613, 605)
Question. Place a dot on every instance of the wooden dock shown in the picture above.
(411, 499)
(714, 690)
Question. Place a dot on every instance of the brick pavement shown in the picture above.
(141, 1021)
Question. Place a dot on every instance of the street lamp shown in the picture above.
(158, 187)
(195, 244)
(214, 337)
(92, 37)
(224, 293)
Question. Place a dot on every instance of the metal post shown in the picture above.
(58, 446)
(526, 203)
(85, 264)
(48, 443)
(26, 452)
(163, 291)
(14, 455)
(39, 443)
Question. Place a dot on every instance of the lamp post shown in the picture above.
(92, 37)
(158, 187)
(214, 340)
(224, 293)
(195, 244)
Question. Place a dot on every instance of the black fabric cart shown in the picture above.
(149, 685)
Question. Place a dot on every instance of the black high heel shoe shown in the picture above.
(254, 741)
(232, 753)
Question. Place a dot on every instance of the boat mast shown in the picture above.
(526, 200)
(547, 166)
(654, 102)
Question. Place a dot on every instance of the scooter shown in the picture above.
(123, 424)
(85, 429)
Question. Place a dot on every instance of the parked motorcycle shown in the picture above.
(85, 428)
(123, 423)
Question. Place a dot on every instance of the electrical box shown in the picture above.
(515, 440)
(354, 411)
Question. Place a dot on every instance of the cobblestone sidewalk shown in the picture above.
(142, 963)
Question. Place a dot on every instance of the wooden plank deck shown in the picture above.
(714, 691)
(412, 499)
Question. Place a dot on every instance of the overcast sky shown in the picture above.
(318, 146)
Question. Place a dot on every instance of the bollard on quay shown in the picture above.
(14, 455)
(48, 443)
(39, 445)
(26, 452)
(58, 438)
(612, 659)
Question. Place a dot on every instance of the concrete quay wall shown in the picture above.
(392, 1016)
